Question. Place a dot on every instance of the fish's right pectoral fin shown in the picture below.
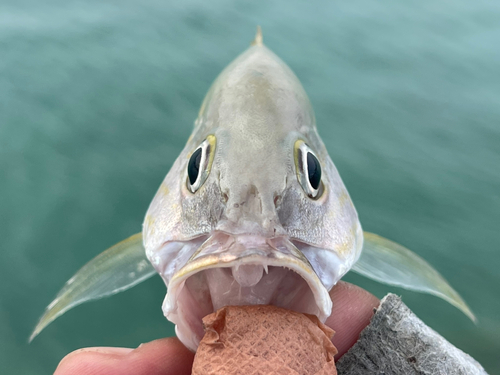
(117, 269)
(390, 263)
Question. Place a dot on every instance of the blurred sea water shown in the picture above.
(97, 98)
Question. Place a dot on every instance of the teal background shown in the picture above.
(97, 98)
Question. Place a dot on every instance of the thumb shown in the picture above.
(352, 310)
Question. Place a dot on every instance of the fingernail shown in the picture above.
(107, 350)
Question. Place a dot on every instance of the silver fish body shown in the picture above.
(251, 222)
(253, 211)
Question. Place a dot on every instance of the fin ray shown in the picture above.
(119, 268)
(258, 40)
(390, 263)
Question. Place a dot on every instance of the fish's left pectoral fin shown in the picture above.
(117, 269)
(390, 263)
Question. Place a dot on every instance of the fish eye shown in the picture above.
(308, 170)
(200, 163)
(194, 165)
(313, 171)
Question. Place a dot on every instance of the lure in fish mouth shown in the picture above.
(253, 211)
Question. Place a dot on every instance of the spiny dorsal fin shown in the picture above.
(258, 40)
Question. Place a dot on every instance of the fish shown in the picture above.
(253, 211)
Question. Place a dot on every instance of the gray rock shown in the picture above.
(397, 342)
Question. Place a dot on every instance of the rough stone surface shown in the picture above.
(397, 342)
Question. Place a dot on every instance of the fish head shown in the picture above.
(253, 211)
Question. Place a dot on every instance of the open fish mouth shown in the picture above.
(242, 270)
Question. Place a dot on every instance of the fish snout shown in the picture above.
(249, 211)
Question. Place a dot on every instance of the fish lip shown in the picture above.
(236, 251)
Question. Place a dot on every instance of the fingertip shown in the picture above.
(94, 360)
(352, 310)
(166, 356)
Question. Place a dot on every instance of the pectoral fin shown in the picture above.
(114, 270)
(390, 263)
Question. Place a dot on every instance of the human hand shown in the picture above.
(352, 310)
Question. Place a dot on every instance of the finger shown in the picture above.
(160, 357)
(351, 313)
(352, 310)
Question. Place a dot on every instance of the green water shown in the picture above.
(97, 99)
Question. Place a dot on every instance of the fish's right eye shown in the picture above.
(200, 163)
(308, 170)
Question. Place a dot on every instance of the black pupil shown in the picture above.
(313, 171)
(194, 166)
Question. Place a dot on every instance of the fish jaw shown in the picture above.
(241, 270)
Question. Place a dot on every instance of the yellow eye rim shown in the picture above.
(300, 150)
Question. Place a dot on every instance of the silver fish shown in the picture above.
(253, 211)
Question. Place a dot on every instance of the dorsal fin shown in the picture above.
(258, 40)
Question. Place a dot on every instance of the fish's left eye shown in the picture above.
(200, 163)
(308, 169)
(313, 171)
